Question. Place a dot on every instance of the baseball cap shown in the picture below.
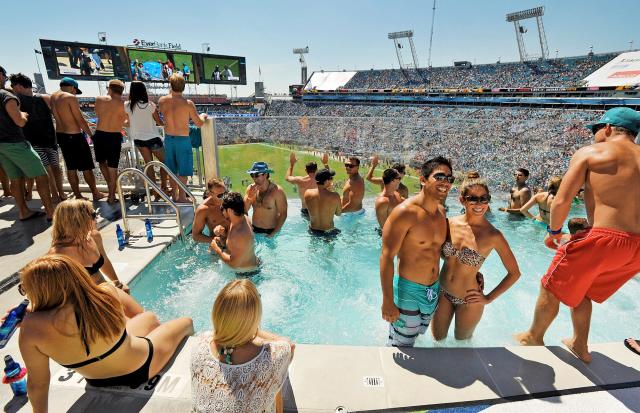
(624, 117)
(67, 81)
(260, 168)
(4, 72)
(324, 175)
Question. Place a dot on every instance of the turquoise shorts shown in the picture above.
(178, 155)
(20, 160)
(417, 304)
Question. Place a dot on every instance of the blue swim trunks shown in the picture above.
(178, 155)
(417, 304)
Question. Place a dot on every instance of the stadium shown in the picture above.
(323, 292)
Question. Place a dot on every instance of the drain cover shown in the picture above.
(341, 409)
(373, 381)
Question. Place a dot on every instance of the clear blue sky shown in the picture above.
(346, 34)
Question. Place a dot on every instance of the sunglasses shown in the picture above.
(472, 199)
(597, 128)
(220, 195)
(349, 165)
(94, 214)
(441, 177)
(21, 290)
(255, 175)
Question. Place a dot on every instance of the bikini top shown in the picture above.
(544, 202)
(96, 267)
(100, 357)
(465, 255)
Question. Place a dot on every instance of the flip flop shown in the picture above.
(627, 345)
(36, 214)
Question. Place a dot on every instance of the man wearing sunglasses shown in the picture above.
(209, 214)
(304, 182)
(595, 263)
(415, 232)
(520, 193)
(267, 199)
(353, 190)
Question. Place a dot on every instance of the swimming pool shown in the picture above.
(320, 292)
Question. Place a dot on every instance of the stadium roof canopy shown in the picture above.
(328, 80)
(624, 70)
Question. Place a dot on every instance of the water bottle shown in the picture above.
(120, 235)
(11, 322)
(147, 226)
(14, 376)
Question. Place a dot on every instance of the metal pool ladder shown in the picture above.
(148, 185)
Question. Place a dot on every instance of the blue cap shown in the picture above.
(260, 168)
(67, 81)
(624, 117)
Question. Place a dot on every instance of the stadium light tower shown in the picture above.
(303, 63)
(395, 37)
(516, 17)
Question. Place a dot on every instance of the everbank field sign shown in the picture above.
(153, 44)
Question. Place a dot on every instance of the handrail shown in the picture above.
(147, 181)
(174, 178)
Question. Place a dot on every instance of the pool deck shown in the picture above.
(324, 378)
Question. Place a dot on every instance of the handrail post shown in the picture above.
(123, 206)
(182, 186)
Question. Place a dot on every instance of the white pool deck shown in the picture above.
(327, 378)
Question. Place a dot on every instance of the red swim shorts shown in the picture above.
(593, 264)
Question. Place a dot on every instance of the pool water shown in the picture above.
(328, 292)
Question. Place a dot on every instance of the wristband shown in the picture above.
(552, 232)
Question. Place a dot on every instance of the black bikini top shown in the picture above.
(96, 267)
(103, 356)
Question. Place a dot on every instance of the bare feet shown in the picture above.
(63, 197)
(79, 196)
(6, 194)
(28, 196)
(581, 353)
(527, 339)
(99, 195)
(112, 200)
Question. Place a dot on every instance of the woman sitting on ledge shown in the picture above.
(75, 235)
(82, 326)
(238, 367)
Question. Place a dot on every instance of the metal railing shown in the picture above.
(171, 175)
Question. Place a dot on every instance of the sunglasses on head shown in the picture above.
(598, 127)
(21, 289)
(472, 199)
(350, 165)
(441, 177)
(94, 214)
(257, 174)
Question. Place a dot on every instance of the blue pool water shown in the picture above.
(320, 292)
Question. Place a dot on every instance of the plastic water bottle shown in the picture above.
(120, 235)
(14, 375)
(147, 226)
(11, 322)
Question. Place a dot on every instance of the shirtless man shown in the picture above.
(353, 190)
(323, 204)
(177, 111)
(210, 215)
(520, 193)
(107, 140)
(402, 188)
(69, 127)
(304, 182)
(596, 262)
(268, 200)
(389, 198)
(239, 253)
(415, 232)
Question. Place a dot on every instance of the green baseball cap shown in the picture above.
(624, 117)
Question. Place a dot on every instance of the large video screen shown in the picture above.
(229, 70)
(157, 66)
(83, 61)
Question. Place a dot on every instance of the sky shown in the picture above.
(346, 34)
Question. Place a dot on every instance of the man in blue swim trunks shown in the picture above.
(415, 232)
(177, 111)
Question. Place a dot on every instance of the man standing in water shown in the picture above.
(323, 204)
(402, 188)
(520, 193)
(389, 198)
(415, 232)
(353, 190)
(69, 127)
(239, 252)
(209, 214)
(107, 140)
(177, 111)
(597, 262)
(267, 199)
(304, 182)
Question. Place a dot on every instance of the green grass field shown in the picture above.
(235, 160)
(152, 56)
(210, 64)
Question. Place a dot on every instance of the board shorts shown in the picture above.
(329, 234)
(75, 151)
(593, 264)
(107, 146)
(48, 156)
(178, 155)
(417, 304)
(19, 160)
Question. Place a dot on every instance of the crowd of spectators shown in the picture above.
(561, 72)
(492, 140)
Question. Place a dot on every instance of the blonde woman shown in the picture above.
(238, 367)
(82, 326)
(75, 235)
(470, 240)
(543, 200)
